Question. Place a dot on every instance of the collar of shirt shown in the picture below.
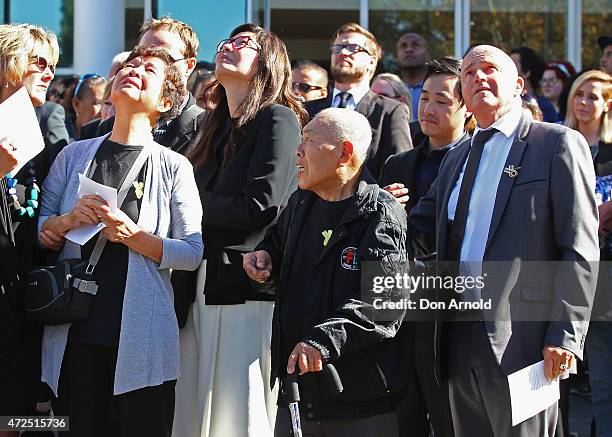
(506, 124)
(430, 150)
(416, 86)
(356, 93)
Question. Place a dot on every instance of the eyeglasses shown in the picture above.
(42, 63)
(238, 43)
(174, 61)
(82, 79)
(351, 49)
(550, 81)
(304, 87)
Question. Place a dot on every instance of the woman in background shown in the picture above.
(391, 86)
(589, 111)
(28, 55)
(245, 170)
(554, 79)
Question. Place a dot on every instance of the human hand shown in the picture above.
(8, 160)
(119, 227)
(398, 191)
(84, 212)
(258, 265)
(307, 357)
(556, 361)
(51, 239)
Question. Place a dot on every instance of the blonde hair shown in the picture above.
(398, 86)
(606, 119)
(187, 34)
(18, 43)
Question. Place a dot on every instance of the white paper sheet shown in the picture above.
(20, 127)
(531, 392)
(83, 234)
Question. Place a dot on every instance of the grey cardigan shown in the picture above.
(171, 209)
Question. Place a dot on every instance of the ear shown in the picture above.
(520, 86)
(191, 63)
(347, 151)
(75, 104)
(164, 105)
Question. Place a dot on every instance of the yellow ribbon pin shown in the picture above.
(138, 189)
(326, 236)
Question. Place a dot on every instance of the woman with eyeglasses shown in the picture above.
(126, 352)
(554, 79)
(391, 86)
(245, 170)
(28, 55)
(87, 101)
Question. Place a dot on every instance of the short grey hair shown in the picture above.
(347, 125)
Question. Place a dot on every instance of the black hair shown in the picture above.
(445, 66)
(531, 62)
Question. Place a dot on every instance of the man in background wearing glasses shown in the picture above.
(354, 56)
(181, 42)
(309, 81)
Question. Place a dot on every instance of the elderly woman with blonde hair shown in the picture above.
(28, 55)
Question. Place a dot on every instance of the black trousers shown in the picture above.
(86, 396)
(384, 425)
(479, 393)
(426, 403)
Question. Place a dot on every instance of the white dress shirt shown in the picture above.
(484, 192)
(356, 94)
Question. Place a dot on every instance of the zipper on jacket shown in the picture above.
(383, 378)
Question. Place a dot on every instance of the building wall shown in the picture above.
(558, 29)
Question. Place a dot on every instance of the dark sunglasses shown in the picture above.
(304, 87)
(336, 49)
(42, 63)
(82, 79)
(238, 43)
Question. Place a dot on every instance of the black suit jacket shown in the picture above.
(389, 121)
(52, 120)
(243, 198)
(182, 133)
(403, 167)
(546, 213)
(89, 129)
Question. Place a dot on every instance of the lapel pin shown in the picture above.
(138, 189)
(512, 171)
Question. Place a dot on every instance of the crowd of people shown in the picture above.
(257, 196)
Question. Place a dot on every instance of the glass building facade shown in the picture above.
(557, 29)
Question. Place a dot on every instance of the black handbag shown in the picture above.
(63, 293)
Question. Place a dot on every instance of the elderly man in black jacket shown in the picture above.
(335, 222)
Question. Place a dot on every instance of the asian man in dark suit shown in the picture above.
(442, 116)
(179, 39)
(516, 206)
(354, 56)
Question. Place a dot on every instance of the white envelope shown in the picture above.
(83, 234)
(20, 127)
(531, 392)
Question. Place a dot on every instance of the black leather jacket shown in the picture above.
(353, 336)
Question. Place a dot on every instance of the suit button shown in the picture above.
(302, 202)
(310, 415)
(308, 405)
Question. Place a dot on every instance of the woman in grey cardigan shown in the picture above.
(126, 351)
